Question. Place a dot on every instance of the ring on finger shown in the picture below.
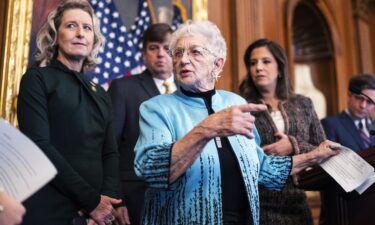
(110, 218)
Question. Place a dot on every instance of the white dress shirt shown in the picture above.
(160, 86)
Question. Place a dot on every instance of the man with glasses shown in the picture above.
(354, 127)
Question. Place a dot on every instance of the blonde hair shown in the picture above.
(47, 36)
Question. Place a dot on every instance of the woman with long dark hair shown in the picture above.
(290, 126)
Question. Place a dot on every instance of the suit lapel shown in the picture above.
(349, 125)
(148, 83)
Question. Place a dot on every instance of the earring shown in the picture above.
(214, 76)
(278, 76)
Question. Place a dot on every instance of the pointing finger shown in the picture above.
(250, 107)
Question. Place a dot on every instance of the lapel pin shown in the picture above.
(93, 86)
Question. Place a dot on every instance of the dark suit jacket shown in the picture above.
(71, 121)
(127, 94)
(342, 129)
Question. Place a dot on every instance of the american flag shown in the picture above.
(121, 53)
(179, 14)
(144, 20)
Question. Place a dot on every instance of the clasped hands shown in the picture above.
(105, 214)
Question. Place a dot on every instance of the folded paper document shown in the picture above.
(349, 170)
(24, 168)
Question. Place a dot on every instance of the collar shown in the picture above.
(204, 95)
(58, 64)
(159, 83)
(366, 121)
(198, 102)
(55, 63)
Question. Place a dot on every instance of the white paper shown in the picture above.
(368, 182)
(348, 169)
(24, 168)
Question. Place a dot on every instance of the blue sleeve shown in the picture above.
(329, 129)
(274, 171)
(153, 148)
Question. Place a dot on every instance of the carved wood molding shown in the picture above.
(362, 8)
(16, 52)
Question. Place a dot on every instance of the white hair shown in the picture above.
(215, 41)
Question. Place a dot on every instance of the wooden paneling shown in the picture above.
(371, 23)
(219, 12)
(243, 21)
(3, 8)
(247, 29)
(239, 22)
(273, 22)
(325, 81)
(340, 20)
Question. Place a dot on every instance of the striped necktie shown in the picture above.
(167, 86)
(365, 139)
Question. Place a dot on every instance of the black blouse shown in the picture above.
(233, 189)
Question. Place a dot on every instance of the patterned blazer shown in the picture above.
(195, 197)
(305, 133)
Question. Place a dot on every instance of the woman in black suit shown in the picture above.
(70, 119)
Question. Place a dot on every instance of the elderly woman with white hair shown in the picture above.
(198, 148)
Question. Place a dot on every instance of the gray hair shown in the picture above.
(47, 36)
(215, 41)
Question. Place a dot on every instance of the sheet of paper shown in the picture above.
(368, 182)
(348, 169)
(24, 168)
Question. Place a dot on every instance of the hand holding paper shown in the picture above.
(349, 170)
(24, 168)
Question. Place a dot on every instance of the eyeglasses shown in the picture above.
(362, 98)
(194, 52)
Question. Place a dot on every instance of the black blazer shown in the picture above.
(70, 119)
(127, 94)
(342, 129)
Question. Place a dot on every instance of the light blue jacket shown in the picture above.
(195, 197)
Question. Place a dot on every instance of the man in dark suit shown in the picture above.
(127, 94)
(353, 127)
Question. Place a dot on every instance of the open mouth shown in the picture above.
(185, 72)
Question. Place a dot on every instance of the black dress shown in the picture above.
(70, 119)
